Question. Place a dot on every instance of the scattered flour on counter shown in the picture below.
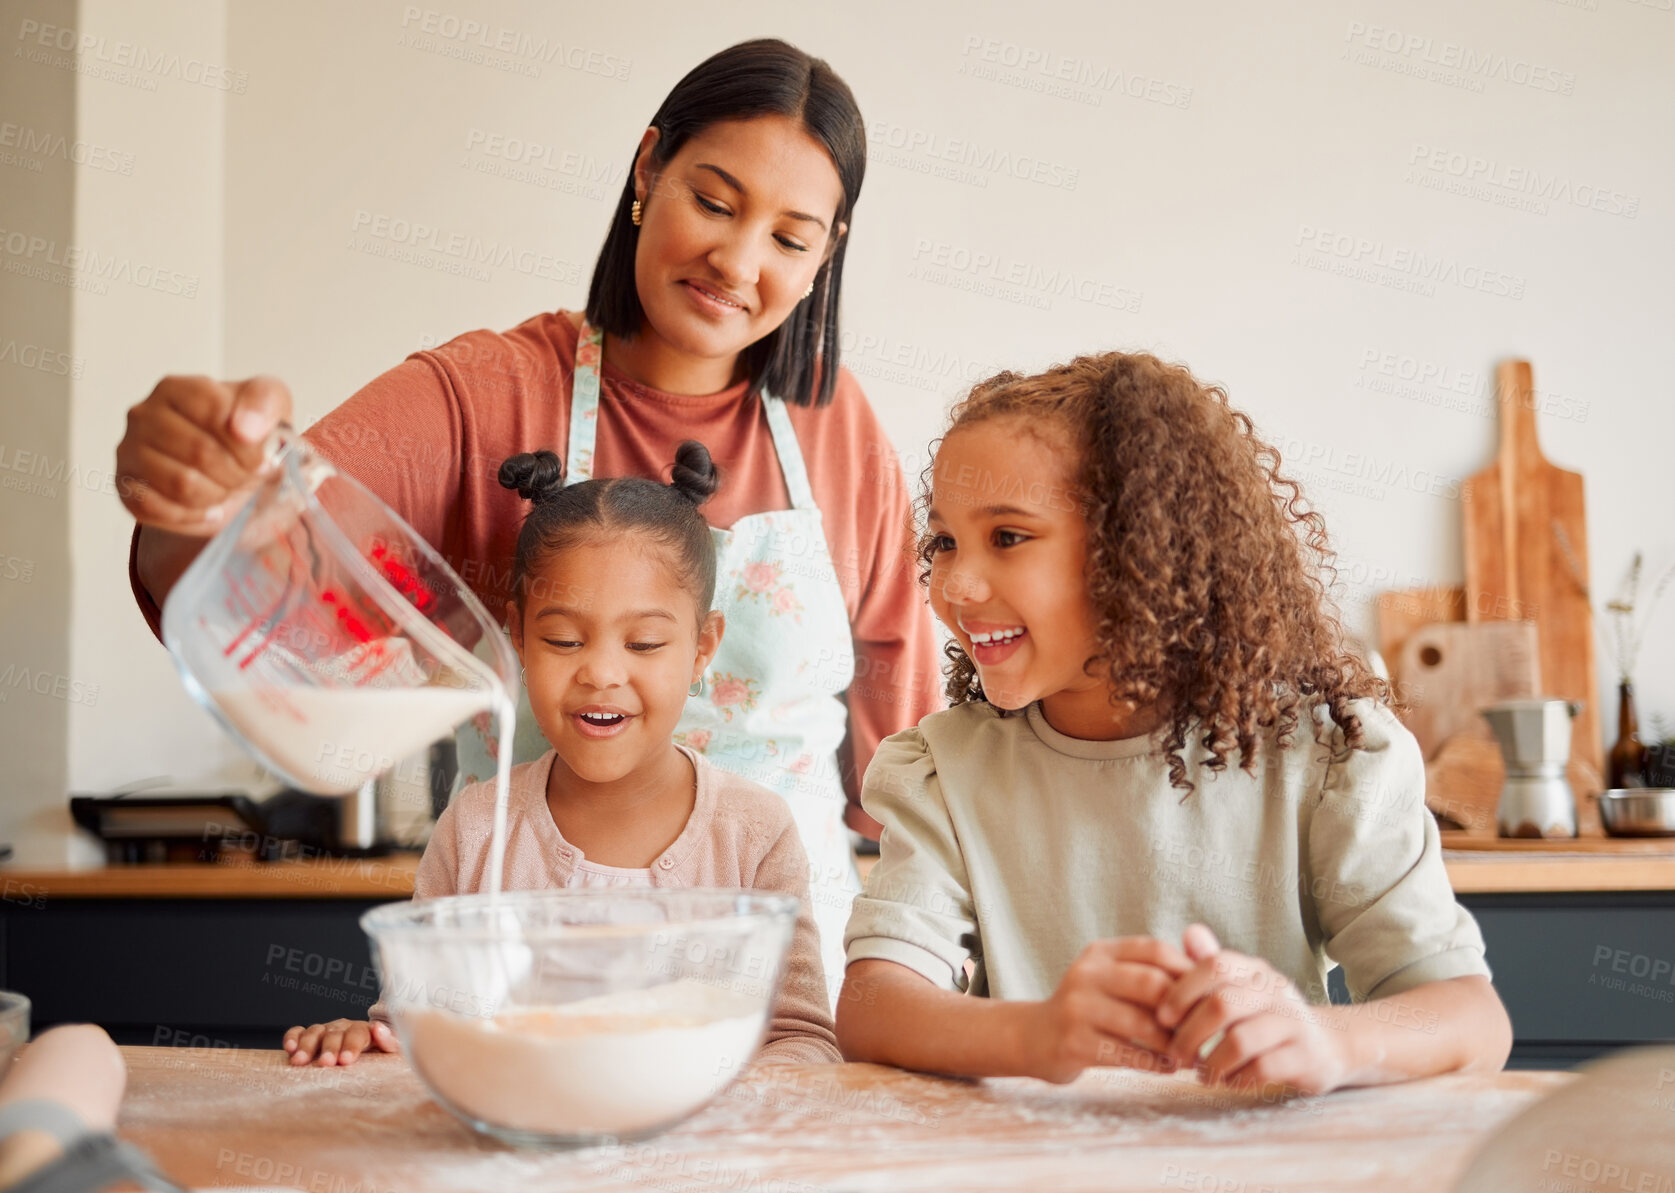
(617, 1064)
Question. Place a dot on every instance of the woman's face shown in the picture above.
(733, 230)
(610, 639)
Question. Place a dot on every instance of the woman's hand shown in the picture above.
(193, 448)
(1264, 1033)
(1103, 1012)
(340, 1041)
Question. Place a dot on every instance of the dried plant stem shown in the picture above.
(1620, 631)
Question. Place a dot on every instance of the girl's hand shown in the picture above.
(194, 447)
(1265, 1034)
(1103, 1010)
(339, 1042)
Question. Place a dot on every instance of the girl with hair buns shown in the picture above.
(614, 621)
(712, 314)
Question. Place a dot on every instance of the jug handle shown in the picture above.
(313, 470)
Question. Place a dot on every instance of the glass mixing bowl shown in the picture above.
(563, 1018)
(14, 1026)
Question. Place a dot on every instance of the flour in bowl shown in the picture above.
(617, 1064)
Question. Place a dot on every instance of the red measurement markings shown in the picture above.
(352, 625)
(404, 579)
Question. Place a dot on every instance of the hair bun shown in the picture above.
(694, 477)
(535, 475)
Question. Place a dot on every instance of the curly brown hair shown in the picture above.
(1207, 571)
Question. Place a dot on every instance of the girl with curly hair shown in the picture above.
(1166, 796)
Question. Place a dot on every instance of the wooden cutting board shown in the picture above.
(1403, 610)
(1526, 543)
(1450, 671)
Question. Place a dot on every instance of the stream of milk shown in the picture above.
(618, 1064)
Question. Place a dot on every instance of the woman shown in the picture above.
(712, 315)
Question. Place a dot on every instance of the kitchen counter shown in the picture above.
(1471, 872)
(232, 953)
(220, 1117)
(234, 877)
(1495, 871)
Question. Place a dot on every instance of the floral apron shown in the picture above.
(772, 707)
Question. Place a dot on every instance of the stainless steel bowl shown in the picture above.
(1638, 811)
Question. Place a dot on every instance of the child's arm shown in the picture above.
(907, 947)
(342, 1040)
(1265, 1034)
(1412, 957)
(1101, 1014)
(800, 1029)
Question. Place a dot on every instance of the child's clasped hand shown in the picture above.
(1138, 1002)
(1104, 1010)
(1246, 1025)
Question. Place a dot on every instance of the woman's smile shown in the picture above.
(715, 300)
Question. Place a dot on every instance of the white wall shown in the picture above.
(37, 361)
(1206, 140)
(167, 218)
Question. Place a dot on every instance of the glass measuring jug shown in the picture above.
(325, 635)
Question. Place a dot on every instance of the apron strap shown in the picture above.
(584, 424)
(790, 454)
(584, 405)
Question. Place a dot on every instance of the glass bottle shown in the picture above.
(1628, 756)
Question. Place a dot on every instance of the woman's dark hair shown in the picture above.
(563, 515)
(798, 360)
(1207, 571)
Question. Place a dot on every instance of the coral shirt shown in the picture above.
(428, 437)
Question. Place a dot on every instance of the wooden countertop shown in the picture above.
(236, 877)
(1498, 872)
(221, 1117)
(1472, 872)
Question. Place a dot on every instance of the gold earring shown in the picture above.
(809, 291)
(634, 212)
